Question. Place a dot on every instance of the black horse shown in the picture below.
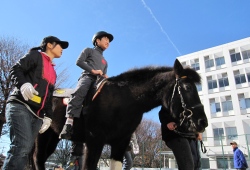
(117, 110)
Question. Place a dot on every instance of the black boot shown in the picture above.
(66, 132)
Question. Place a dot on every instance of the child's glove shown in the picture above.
(46, 124)
(28, 91)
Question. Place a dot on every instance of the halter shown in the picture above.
(187, 113)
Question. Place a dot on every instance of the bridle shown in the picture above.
(187, 112)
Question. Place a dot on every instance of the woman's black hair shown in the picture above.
(43, 48)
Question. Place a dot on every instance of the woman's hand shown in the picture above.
(199, 137)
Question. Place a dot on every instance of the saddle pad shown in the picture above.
(99, 87)
(63, 92)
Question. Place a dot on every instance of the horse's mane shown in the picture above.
(140, 73)
(147, 72)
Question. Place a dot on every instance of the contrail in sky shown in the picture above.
(164, 32)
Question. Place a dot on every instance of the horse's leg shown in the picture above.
(44, 146)
(116, 156)
(93, 154)
(84, 161)
(115, 165)
(117, 153)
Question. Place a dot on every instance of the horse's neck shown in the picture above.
(150, 92)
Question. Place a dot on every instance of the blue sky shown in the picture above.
(146, 32)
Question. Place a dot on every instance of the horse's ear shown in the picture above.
(178, 69)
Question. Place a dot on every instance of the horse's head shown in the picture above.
(183, 101)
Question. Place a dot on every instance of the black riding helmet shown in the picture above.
(101, 34)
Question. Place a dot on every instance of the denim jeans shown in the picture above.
(24, 128)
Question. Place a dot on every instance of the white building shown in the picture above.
(225, 94)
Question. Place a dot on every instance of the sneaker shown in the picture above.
(66, 132)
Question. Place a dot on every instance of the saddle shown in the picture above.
(63, 92)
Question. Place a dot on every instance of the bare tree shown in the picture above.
(11, 49)
(62, 76)
(150, 144)
(62, 152)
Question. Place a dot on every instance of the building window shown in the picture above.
(231, 133)
(199, 87)
(227, 106)
(247, 103)
(248, 77)
(222, 163)
(244, 102)
(205, 163)
(215, 107)
(231, 162)
(218, 133)
(196, 65)
(223, 82)
(234, 56)
(240, 78)
(209, 63)
(212, 84)
(219, 61)
(246, 54)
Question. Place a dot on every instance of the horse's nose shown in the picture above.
(203, 122)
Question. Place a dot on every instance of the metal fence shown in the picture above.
(219, 155)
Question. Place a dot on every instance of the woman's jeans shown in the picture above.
(24, 128)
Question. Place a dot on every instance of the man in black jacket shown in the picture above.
(185, 148)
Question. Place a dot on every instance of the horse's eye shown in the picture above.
(187, 87)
